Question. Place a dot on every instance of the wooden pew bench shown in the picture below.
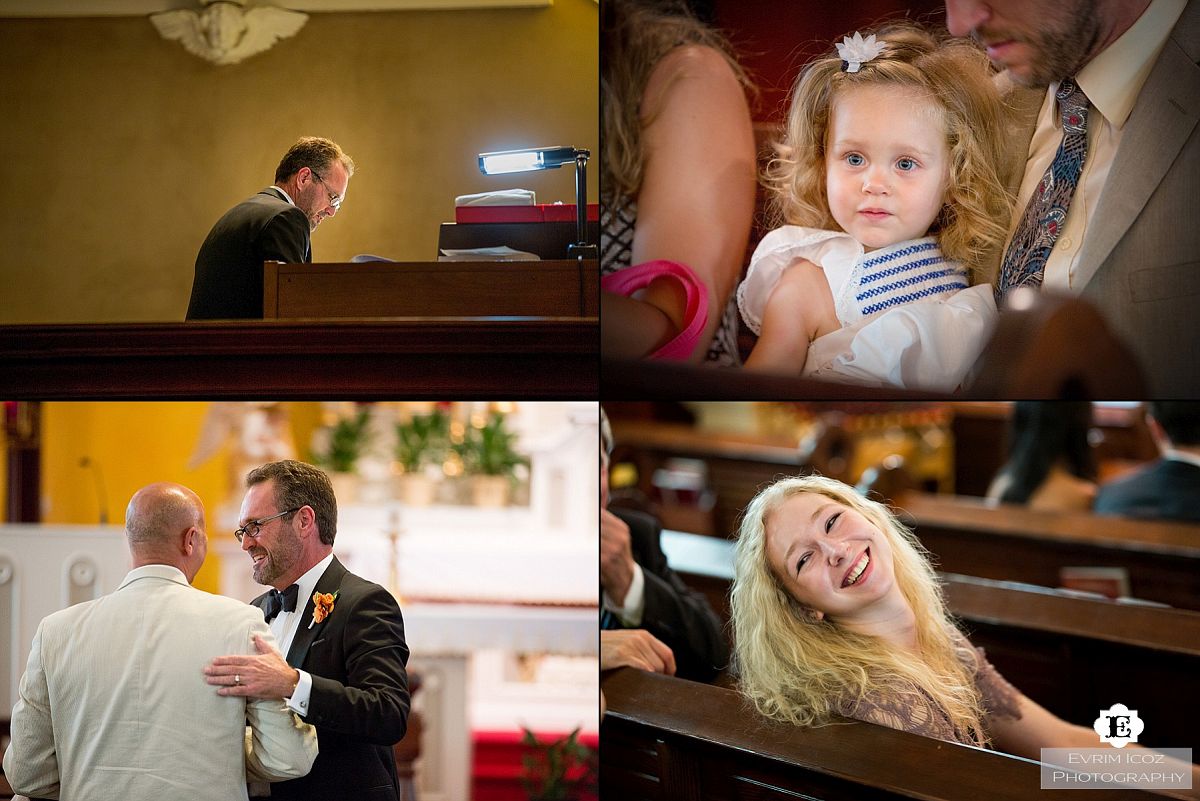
(1073, 655)
(667, 738)
(1011, 542)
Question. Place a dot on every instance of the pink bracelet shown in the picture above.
(631, 279)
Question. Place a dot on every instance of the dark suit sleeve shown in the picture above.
(285, 237)
(372, 703)
(675, 613)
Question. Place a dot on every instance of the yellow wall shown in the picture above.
(136, 444)
(124, 148)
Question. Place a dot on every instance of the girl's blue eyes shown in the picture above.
(903, 164)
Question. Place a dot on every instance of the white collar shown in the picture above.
(168, 572)
(286, 196)
(1113, 79)
(307, 584)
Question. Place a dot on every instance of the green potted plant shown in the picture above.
(562, 770)
(346, 440)
(421, 441)
(491, 460)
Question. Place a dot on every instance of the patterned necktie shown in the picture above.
(281, 602)
(1025, 261)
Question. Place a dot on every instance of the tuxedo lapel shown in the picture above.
(1163, 118)
(329, 582)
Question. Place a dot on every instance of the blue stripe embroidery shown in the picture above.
(903, 299)
(894, 254)
(902, 268)
(916, 279)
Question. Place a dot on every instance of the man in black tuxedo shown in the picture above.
(343, 636)
(274, 225)
(1169, 488)
(641, 591)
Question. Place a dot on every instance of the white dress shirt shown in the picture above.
(286, 624)
(634, 608)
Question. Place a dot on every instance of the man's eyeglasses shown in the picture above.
(334, 199)
(254, 527)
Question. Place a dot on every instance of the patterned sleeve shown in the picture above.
(1000, 699)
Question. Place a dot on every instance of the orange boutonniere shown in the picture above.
(322, 606)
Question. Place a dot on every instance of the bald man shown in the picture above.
(113, 703)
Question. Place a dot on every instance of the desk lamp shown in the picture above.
(547, 158)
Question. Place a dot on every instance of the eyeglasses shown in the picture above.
(334, 199)
(254, 527)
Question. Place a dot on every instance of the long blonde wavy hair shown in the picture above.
(800, 671)
(953, 73)
(634, 36)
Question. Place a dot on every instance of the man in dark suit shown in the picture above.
(640, 591)
(343, 636)
(1169, 488)
(274, 225)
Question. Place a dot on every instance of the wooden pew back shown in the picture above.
(1011, 542)
(666, 738)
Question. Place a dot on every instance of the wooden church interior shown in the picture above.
(1074, 608)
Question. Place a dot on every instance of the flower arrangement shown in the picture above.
(559, 770)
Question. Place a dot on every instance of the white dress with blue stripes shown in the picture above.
(909, 317)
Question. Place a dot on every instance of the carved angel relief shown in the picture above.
(225, 33)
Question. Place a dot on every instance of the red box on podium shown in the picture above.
(541, 212)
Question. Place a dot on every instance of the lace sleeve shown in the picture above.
(1000, 699)
(914, 713)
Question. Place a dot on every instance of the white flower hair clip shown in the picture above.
(858, 51)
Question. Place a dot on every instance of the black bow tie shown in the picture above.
(281, 601)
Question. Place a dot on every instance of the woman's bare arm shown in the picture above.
(697, 195)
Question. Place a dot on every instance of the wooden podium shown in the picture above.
(552, 288)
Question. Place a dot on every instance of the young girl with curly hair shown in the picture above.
(887, 186)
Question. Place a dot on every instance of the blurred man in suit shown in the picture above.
(1124, 235)
(274, 225)
(640, 591)
(1169, 488)
(113, 703)
(343, 636)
